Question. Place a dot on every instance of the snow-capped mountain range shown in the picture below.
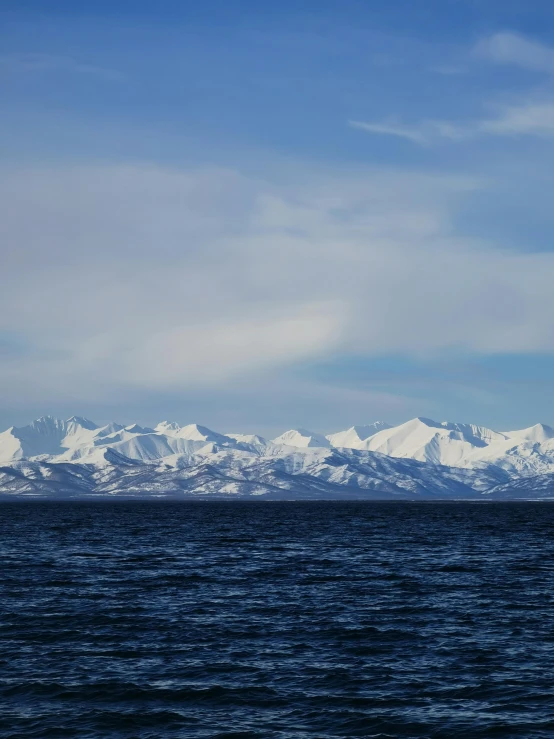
(420, 458)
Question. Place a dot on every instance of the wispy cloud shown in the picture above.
(423, 133)
(513, 48)
(35, 63)
(529, 119)
(390, 128)
(534, 119)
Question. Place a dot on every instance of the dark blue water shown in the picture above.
(276, 620)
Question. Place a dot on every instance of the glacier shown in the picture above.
(419, 459)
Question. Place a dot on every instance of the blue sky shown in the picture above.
(256, 216)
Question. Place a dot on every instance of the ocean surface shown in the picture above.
(276, 619)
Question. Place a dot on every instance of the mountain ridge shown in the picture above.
(419, 458)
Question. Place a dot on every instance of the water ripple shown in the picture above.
(288, 620)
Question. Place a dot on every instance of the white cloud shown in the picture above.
(528, 119)
(533, 119)
(160, 279)
(202, 352)
(513, 48)
(390, 128)
(422, 133)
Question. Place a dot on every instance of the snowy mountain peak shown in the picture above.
(45, 424)
(108, 429)
(368, 430)
(195, 432)
(191, 432)
(537, 433)
(167, 427)
(52, 424)
(423, 421)
(356, 435)
(84, 423)
(476, 434)
(134, 428)
(248, 439)
(343, 458)
(249, 442)
(302, 438)
(45, 436)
